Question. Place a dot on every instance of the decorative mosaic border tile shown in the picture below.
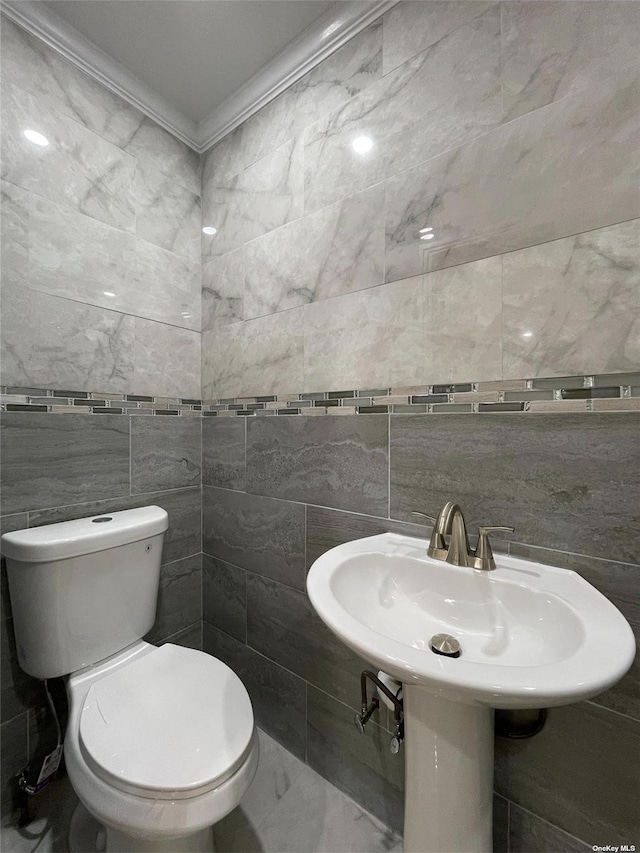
(612, 392)
(14, 399)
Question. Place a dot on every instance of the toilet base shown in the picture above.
(86, 835)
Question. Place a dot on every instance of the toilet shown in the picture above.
(161, 742)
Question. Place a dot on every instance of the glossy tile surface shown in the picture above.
(529, 834)
(261, 356)
(328, 528)
(179, 598)
(564, 300)
(469, 345)
(335, 81)
(223, 290)
(410, 27)
(277, 696)
(50, 460)
(344, 251)
(571, 489)
(46, 343)
(363, 768)
(165, 453)
(14, 233)
(18, 691)
(223, 452)
(551, 50)
(507, 190)
(167, 154)
(78, 168)
(374, 337)
(167, 213)
(283, 626)
(172, 282)
(264, 196)
(8, 523)
(576, 773)
(70, 91)
(395, 112)
(166, 360)
(339, 462)
(224, 597)
(261, 534)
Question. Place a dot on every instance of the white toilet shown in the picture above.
(160, 743)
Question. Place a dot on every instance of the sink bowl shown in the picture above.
(531, 635)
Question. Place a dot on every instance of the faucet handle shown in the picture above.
(483, 556)
(484, 531)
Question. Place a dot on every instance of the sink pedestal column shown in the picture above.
(449, 775)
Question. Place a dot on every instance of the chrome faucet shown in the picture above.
(450, 522)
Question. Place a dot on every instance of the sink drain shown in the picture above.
(446, 645)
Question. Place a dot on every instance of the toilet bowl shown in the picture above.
(160, 742)
(160, 746)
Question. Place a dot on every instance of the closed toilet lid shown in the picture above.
(172, 724)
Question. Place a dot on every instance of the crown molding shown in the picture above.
(326, 35)
(60, 36)
(322, 38)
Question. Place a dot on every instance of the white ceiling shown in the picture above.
(195, 53)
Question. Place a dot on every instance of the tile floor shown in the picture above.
(289, 808)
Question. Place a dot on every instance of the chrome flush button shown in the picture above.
(445, 644)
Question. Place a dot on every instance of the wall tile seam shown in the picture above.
(69, 207)
(538, 817)
(177, 633)
(259, 653)
(608, 563)
(504, 544)
(253, 573)
(12, 720)
(106, 310)
(609, 710)
(37, 511)
(180, 559)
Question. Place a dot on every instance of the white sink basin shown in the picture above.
(531, 635)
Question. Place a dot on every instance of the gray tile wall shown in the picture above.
(572, 477)
(100, 232)
(495, 125)
(60, 467)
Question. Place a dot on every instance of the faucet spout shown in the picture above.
(451, 523)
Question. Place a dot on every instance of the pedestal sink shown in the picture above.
(530, 635)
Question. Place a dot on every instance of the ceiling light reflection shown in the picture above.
(362, 145)
(108, 293)
(427, 236)
(209, 229)
(36, 138)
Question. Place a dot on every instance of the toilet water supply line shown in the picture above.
(40, 771)
(393, 700)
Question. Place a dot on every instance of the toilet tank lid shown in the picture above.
(84, 535)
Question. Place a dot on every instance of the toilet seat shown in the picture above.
(172, 724)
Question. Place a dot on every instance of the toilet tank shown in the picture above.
(83, 590)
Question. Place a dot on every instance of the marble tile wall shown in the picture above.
(507, 128)
(278, 492)
(101, 266)
(56, 468)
